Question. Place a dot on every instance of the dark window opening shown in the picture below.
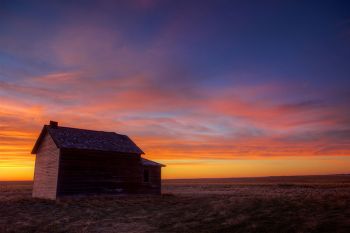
(145, 176)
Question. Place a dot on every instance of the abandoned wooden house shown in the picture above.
(72, 161)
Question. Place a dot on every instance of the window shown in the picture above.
(145, 175)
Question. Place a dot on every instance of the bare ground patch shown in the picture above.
(185, 207)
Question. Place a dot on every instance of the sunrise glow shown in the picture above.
(215, 93)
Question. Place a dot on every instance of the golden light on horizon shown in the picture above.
(188, 158)
(182, 169)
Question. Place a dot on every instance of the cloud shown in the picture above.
(55, 79)
(176, 88)
(168, 125)
(303, 105)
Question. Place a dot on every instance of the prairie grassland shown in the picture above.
(274, 204)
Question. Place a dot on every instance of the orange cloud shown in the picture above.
(168, 115)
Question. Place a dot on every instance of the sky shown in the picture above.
(209, 88)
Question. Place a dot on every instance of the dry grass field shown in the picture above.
(272, 204)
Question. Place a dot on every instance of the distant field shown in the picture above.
(269, 204)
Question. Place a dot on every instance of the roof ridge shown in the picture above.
(92, 130)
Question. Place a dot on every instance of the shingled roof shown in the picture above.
(73, 138)
(147, 162)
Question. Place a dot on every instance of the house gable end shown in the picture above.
(40, 139)
(46, 169)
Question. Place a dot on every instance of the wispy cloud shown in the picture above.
(184, 83)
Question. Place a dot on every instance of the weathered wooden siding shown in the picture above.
(153, 186)
(91, 172)
(46, 169)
